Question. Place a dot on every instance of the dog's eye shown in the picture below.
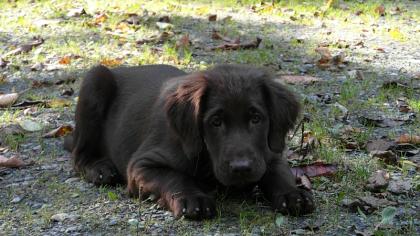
(216, 121)
(255, 118)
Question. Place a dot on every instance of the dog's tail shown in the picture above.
(68, 143)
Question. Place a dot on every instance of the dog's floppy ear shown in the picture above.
(183, 110)
(283, 110)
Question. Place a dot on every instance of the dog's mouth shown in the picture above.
(237, 180)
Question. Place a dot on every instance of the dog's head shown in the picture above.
(238, 114)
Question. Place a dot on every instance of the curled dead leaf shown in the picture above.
(8, 99)
(380, 10)
(13, 162)
(315, 169)
(100, 18)
(212, 17)
(59, 132)
(111, 62)
(64, 60)
(304, 182)
(183, 42)
(408, 138)
(236, 46)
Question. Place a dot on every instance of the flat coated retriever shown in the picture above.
(178, 136)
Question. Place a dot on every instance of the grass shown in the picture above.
(94, 43)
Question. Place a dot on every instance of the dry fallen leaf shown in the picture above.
(315, 169)
(212, 17)
(304, 182)
(183, 42)
(380, 10)
(236, 46)
(13, 162)
(24, 48)
(100, 18)
(56, 103)
(325, 54)
(299, 79)
(111, 62)
(65, 60)
(407, 138)
(59, 132)
(8, 99)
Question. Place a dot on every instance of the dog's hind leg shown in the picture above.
(89, 157)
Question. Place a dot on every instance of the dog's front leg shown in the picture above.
(279, 186)
(175, 190)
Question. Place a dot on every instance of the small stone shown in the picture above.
(164, 25)
(133, 222)
(112, 222)
(72, 229)
(16, 199)
(60, 217)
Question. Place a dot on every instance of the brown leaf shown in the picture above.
(183, 42)
(236, 46)
(304, 182)
(24, 48)
(212, 17)
(380, 10)
(13, 162)
(315, 169)
(100, 18)
(325, 54)
(378, 181)
(65, 60)
(407, 138)
(3, 63)
(388, 157)
(111, 62)
(59, 132)
(165, 19)
(217, 36)
(299, 79)
(8, 99)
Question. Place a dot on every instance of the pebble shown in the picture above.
(133, 222)
(72, 180)
(112, 222)
(72, 229)
(60, 217)
(16, 199)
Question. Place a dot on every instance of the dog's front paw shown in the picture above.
(194, 206)
(297, 202)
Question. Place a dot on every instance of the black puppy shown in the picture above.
(176, 135)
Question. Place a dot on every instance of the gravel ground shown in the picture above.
(48, 198)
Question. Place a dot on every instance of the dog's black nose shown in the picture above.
(240, 166)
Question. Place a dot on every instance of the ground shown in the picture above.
(364, 59)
